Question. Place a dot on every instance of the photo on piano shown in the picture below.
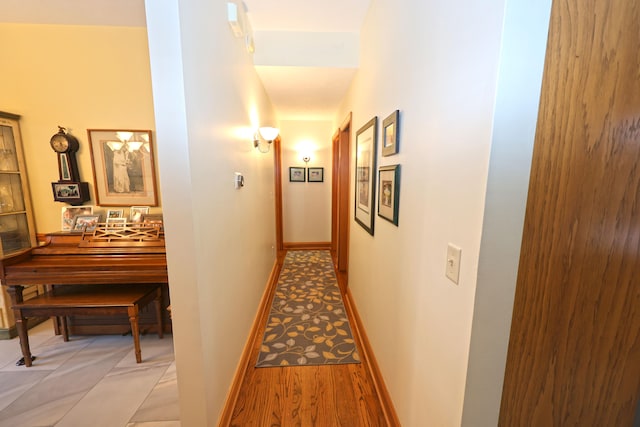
(69, 214)
(84, 223)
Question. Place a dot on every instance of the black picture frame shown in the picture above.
(391, 134)
(315, 174)
(389, 193)
(296, 174)
(365, 183)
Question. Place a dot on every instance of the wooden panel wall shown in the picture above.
(574, 350)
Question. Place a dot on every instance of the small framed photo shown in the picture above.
(85, 223)
(115, 213)
(136, 212)
(154, 220)
(296, 174)
(70, 212)
(389, 192)
(116, 223)
(315, 174)
(390, 134)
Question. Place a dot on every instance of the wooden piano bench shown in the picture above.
(70, 300)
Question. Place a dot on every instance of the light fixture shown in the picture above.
(306, 158)
(267, 134)
(128, 142)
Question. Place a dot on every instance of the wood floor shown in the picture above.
(337, 395)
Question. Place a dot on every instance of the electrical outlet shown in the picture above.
(452, 270)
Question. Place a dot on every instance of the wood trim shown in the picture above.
(335, 151)
(344, 194)
(307, 245)
(254, 336)
(277, 172)
(390, 415)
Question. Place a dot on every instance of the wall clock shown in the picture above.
(68, 189)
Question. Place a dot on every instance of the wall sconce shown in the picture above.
(306, 158)
(267, 134)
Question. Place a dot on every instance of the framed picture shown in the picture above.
(73, 193)
(136, 212)
(389, 192)
(85, 223)
(390, 134)
(123, 168)
(115, 223)
(315, 174)
(153, 220)
(70, 212)
(365, 187)
(115, 213)
(296, 174)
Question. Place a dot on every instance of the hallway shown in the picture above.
(321, 395)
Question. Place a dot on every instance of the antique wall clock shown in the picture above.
(68, 189)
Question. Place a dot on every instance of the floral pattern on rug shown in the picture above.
(307, 324)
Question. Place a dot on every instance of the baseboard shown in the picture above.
(391, 417)
(297, 246)
(12, 332)
(254, 338)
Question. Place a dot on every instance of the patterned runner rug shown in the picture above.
(307, 323)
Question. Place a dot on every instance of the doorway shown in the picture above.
(340, 196)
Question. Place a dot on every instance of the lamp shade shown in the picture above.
(269, 133)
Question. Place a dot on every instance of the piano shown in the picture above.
(130, 254)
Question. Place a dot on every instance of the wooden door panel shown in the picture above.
(574, 351)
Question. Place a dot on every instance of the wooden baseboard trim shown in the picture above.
(391, 417)
(293, 246)
(258, 324)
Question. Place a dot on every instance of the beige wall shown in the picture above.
(220, 241)
(438, 63)
(306, 207)
(79, 77)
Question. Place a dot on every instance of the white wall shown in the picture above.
(516, 113)
(306, 206)
(220, 241)
(437, 62)
(79, 77)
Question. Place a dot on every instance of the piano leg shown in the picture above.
(15, 292)
(159, 317)
(133, 319)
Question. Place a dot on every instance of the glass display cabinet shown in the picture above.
(17, 230)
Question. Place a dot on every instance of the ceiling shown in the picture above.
(297, 92)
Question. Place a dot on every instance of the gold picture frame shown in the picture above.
(123, 167)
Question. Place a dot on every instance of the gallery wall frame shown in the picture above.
(365, 182)
(391, 134)
(389, 193)
(123, 167)
(315, 174)
(296, 174)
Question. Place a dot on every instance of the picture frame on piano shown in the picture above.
(85, 223)
(69, 213)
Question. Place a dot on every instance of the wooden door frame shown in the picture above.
(340, 200)
(277, 171)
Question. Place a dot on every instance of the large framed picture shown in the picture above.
(123, 167)
(365, 187)
(390, 134)
(389, 196)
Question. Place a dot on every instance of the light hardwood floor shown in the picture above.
(335, 395)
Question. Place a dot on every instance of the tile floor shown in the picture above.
(88, 381)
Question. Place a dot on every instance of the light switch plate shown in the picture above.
(452, 270)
